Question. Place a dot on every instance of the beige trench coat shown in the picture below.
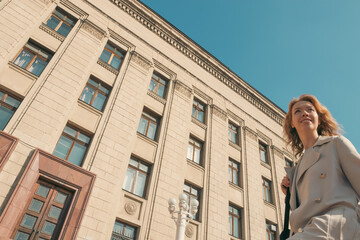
(330, 184)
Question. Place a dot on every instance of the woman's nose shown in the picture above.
(305, 113)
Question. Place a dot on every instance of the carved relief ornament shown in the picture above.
(182, 88)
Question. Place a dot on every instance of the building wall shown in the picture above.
(51, 101)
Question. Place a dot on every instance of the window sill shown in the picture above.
(52, 32)
(22, 71)
(89, 107)
(234, 145)
(197, 122)
(152, 142)
(195, 165)
(133, 196)
(234, 238)
(236, 187)
(107, 67)
(156, 97)
(265, 165)
(271, 205)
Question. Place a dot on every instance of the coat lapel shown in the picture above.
(313, 156)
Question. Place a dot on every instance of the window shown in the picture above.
(95, 94)
(270, 231)
(198, 111)
(8, 106)
(112, 55)
(72, 146)
(45, 213)
(233, 133)
(61, 22)
(192, 193)
(33, 58)
(158, 85)
(148, 125)
(267, 190)
(136, 177)
(194, 151)
(234, 221)
(263, 153)
(288, 163)
(234, 172)
(122, 231)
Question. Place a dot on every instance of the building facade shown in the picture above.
(107, 111)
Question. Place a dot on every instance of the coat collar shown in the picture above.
(313, 158)
(322, 140)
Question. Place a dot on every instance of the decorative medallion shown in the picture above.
(189, 231)
(130, 207)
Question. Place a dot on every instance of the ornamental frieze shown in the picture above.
(140, 60)
(170, 38)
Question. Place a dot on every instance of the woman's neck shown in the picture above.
(308, 140)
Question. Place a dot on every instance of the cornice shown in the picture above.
(277, 151)
(141, 60)
(219, 112)
(82, 14)
(251, 133)
(120, 39)
(93, 29)
(184, 89)
(199, 59)
(52, 32)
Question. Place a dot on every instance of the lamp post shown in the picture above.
(184, 214)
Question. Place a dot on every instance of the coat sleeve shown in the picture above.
(350, 161)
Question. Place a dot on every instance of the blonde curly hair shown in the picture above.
(327, 124)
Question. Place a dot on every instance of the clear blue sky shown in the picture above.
(283, 48)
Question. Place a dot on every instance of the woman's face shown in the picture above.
(304, 117)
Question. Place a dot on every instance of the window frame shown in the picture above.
(233, 129)
(197, 197)
(269, 231)
(263, 147)
(196, 105)
(288, 163)
(120, 235)
(138, 169)
(193, 142)
(267, 190)
(66, 16)
(42, 216)
(36, 54)
(97, 90)
(113, 53)
(158, 82)
(47, 166)
(7, 105)
(232, 169)
(150, 118)
(74, 141)
(239, 217)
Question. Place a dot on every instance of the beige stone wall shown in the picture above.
(50, 101)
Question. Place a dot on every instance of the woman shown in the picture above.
(325, 184)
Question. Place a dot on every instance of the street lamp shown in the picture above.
(184, 214)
